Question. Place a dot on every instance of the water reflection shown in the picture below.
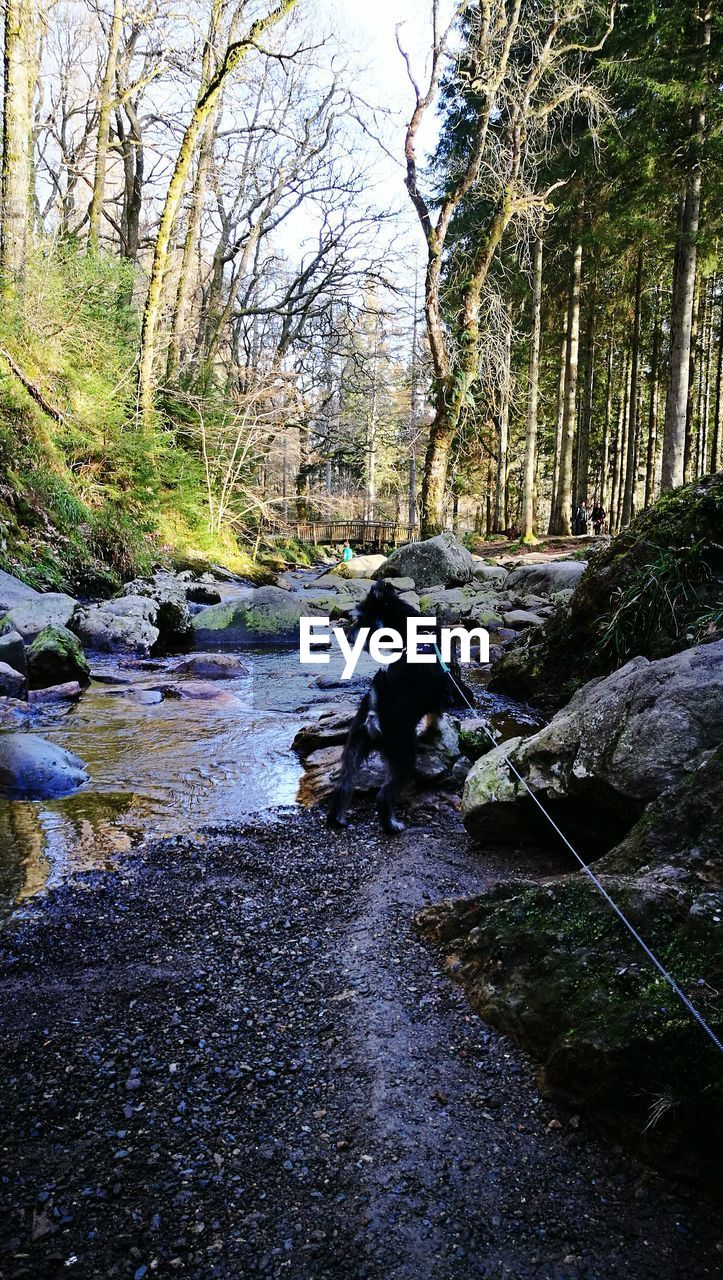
(157, 766)
(24, 864)
(199, 754)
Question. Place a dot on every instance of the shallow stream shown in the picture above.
(169, 764)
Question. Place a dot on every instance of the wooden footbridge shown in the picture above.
(360, 533)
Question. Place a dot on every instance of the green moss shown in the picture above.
(95, 499)
(219, 617)
(54, 656)
(555, 967)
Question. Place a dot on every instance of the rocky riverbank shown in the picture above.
(278, 965)
(236, 1058)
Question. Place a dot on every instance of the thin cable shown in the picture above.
(589, 872)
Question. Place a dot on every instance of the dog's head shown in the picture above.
(381, 607)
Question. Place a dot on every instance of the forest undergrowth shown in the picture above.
(90, 494)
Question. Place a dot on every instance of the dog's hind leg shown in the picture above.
(356, 749)
(371, 723)
(401, 756)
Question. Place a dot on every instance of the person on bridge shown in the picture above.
(347, 553)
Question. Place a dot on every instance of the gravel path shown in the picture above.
(235, 1058)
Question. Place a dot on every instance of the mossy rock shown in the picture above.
(55, 657)
(265, 615)
(439, 561)
(555, 968)
(29, 618)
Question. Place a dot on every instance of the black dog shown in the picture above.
(400, 696)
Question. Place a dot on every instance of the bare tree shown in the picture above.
(18, 59)
(229, 61)
(105, 111)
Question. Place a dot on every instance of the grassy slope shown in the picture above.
(96, 499)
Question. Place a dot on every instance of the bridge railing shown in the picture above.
(360, 532)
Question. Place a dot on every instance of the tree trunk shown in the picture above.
(500, 524)
(605, 444)
(683, 293)
(285, 475)
(371, 443)
(412, 480)
(533, 391)
(184, 289)
(715, 444)
(205, 105)
(651, 463)
(561, 515)
(585, 425)
(16, 161)
(456, 379)
(560, 416)
(704, 383)
(693, 365)
(488, 496)
(630, 467)
(616, 467)
(623, 444)
(131, 149)
(105, 108)
(618, 453)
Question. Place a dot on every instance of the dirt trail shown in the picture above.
(235, 1058)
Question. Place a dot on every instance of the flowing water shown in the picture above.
(166, 764)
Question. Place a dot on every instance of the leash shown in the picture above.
(591, 874)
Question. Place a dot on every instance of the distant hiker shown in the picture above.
(598, 517)
(581, 519)
(347, 554)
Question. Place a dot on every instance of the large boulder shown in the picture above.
(70, 691)
(521, 619)
(620, 742)
(494, 573)
(13, 684)
(199, 593)
(328, 604)
(472, 605)
(551, 965)
(170, 594)
(14, 592)
(262, 615)
(56, 657)
(355, 587)
(439, 561)
(12, 652)
(193, 690)
(213, 666)
(361, 567)
(546, 579)
(31, 768)
(126, 625)
(30, 617)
